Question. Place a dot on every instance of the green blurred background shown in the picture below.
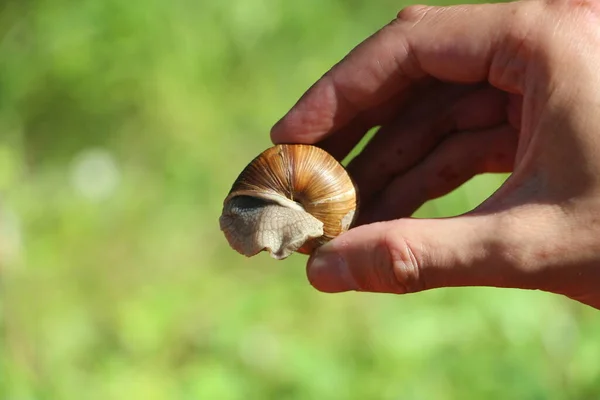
(123, 124)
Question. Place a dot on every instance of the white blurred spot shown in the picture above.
(95, 174)
(260, 348)
(560, 335)
(251, 19)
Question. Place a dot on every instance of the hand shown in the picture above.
(459, 91)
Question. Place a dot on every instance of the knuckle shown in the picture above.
(577, 18)
(522, 17)
(414, 13)
(507, 70)
(405, 262)
(532, 41)
(397, 35)
(592, 5)
(573, 15)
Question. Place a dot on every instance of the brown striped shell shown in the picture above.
(289, 198)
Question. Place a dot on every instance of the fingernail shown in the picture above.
(328, 272)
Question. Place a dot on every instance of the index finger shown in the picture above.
(461, 44)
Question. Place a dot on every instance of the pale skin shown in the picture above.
(459, 91)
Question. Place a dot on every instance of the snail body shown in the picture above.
(290, 198)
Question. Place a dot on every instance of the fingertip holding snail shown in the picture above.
(291, 198)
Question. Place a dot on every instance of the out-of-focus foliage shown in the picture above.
(123, 123)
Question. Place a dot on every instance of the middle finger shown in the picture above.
(410, 138)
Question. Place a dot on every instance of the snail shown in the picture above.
(291, 198)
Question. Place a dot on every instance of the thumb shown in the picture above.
(412, 255)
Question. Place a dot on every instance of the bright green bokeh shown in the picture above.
(123, 125)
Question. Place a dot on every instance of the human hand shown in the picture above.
(459, 91)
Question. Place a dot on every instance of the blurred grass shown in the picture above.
(123, 125)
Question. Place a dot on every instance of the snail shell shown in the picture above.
(289, 198)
